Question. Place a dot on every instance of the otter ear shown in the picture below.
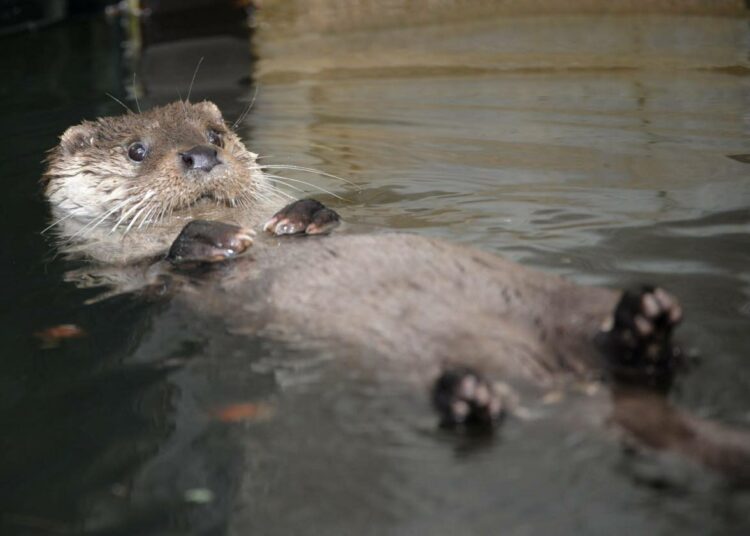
(209, 108)
(77, 137)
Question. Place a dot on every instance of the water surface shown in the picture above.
(596, 147)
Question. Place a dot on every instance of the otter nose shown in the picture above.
(200, 157)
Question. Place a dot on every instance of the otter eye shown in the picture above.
(215, 138)
(137, 151)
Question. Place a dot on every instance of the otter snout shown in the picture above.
(201, 157)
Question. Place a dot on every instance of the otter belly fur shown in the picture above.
(422, 301)
(122, 188)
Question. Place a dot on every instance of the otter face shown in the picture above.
(137, 169)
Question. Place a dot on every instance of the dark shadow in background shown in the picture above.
(178, 36)
(81, 420)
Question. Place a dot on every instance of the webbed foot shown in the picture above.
(209, 241)
(306, 216)
(639, 342)
(463, 397)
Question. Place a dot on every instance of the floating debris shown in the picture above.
(52, 337)
(243, 411)
(199, 495)
(553, 397)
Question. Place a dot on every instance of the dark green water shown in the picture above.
(595, 147)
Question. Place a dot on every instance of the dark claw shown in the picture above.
(463, 397)
(306, 216)
(639, 343)
(209, 241)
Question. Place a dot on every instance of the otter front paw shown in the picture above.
(463, 397)
(306, 216)
(639, 340)
(209, 241)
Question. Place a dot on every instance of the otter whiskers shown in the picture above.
(60, 220)
(94, 223)
(149, 194)
(264, 167)
(282, 180)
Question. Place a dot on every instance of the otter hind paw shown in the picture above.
(640, 338)
(464, 398)
(209, 241)
(306, 216)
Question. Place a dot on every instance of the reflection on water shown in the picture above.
(592, 146)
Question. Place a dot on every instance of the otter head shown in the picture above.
(141, 168)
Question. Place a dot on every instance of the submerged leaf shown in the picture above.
(243, 411)
(51, 337)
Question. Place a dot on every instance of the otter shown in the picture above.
(173, 191)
